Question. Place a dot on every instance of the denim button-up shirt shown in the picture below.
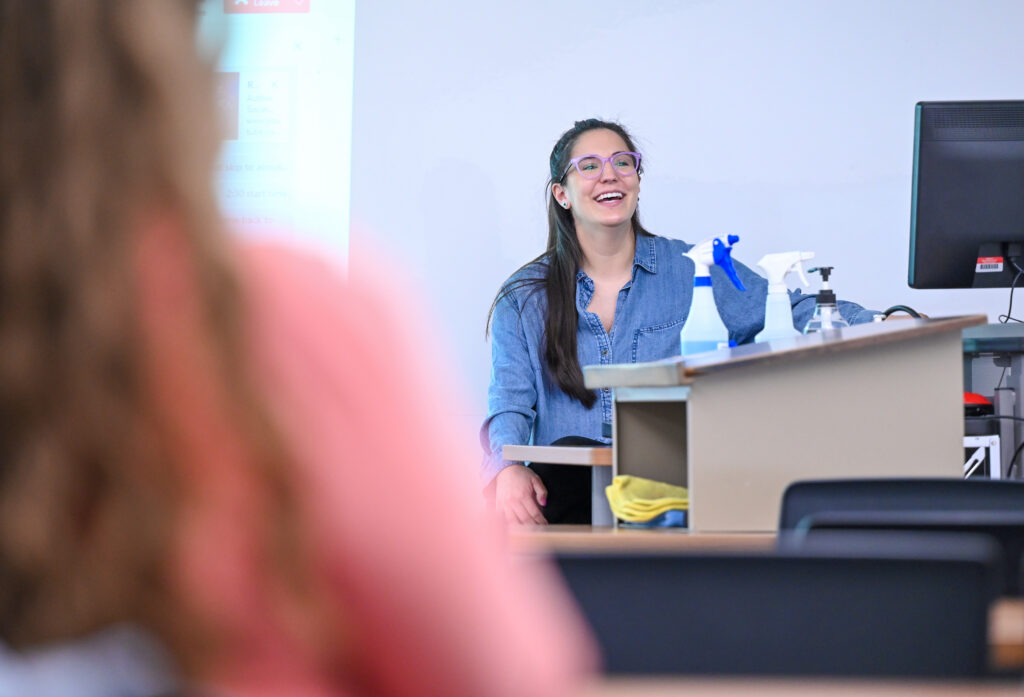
(524, 405)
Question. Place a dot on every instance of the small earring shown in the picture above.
(565, 204)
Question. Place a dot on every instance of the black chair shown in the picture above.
(803, 498)
(991, 507)
(902, 606)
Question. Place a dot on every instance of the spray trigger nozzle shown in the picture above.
(778, 265)
(722, 255)
(800, 269)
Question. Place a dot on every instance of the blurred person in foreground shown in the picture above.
(218, 445)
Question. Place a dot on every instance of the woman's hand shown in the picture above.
(519, 494)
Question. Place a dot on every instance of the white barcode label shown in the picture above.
(989, 265)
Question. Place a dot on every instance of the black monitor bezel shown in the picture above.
(978, 125)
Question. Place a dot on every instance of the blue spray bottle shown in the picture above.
(704, 329)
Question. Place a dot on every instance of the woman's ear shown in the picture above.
(560, 195)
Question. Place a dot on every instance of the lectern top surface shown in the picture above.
(683, 370)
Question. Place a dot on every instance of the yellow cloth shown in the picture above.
(637, 500)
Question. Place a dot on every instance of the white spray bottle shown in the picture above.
(778, 312)
(704, 329)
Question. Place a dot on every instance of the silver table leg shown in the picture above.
(600, 512)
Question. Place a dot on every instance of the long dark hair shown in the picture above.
(559, 264)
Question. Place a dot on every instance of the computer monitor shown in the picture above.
(967, 210)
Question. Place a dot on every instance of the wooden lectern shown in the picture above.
(738, 425)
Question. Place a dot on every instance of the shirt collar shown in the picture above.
(645, 255)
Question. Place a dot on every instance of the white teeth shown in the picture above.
(611, 194)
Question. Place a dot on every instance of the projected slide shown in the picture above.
(285, 95)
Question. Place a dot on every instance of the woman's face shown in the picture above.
(610, 199)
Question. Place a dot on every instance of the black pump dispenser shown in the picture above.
(825, 293)
(826, 310)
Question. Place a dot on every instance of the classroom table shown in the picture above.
(1006, 620)
(584, 538)
(1006, 634)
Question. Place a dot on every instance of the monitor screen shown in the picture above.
(967, 210)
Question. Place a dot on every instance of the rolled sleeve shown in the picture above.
(856, 314)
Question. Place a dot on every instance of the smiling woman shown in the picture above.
(605, 290)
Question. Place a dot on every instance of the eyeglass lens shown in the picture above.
(624, 164)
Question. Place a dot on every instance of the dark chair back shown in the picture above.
(804, 498)
(991, 507)
(1007, 529)
(900, 607)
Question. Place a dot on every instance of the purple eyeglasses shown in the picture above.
(625, 164)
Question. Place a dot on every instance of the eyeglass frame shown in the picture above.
(575, 162)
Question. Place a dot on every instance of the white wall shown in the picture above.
(788, 123)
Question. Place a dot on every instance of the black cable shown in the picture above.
(989, 417)
(1003, 319)
(902, 308)
(1013, 461)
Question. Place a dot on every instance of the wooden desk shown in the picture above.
(1006, 634)
(795, 687)
(591, 538)
(559, 454)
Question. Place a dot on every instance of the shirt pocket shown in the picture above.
(657, 342)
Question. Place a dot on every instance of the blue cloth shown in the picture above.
(525, 406)
(673, 518)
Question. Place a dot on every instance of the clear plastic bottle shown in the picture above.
(704, 329)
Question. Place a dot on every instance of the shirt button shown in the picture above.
(604, 352)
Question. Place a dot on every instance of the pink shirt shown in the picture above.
(430, 601)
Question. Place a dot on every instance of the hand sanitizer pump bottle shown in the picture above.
(704, 329)
(826, 312)
(778, 311)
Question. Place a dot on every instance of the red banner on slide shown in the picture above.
(241, 7)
